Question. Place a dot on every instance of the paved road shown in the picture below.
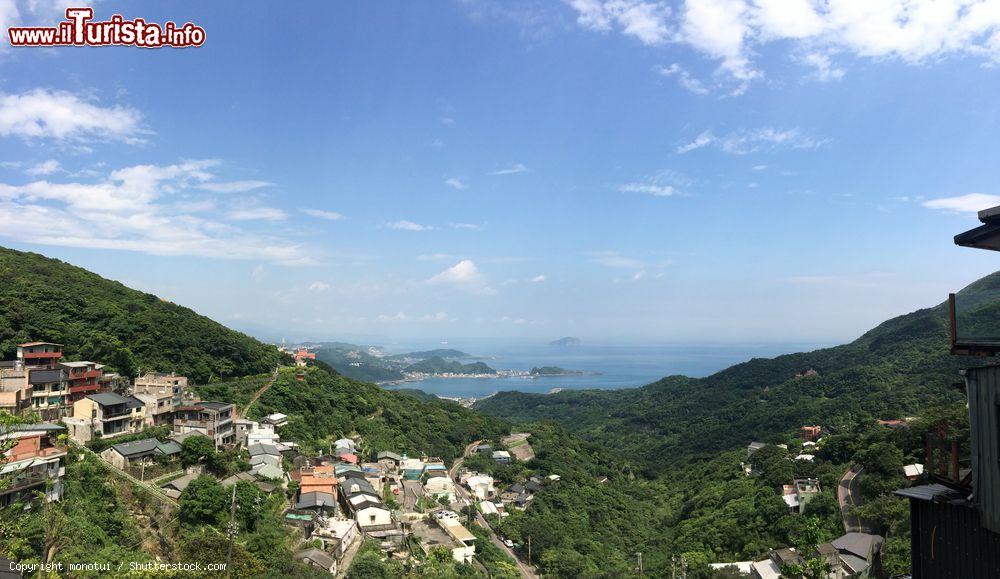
(345, 564)
(526, 570)
(849, 496)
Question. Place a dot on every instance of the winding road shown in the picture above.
(525, 569)
(849, 497)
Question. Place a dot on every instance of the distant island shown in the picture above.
(567, 341)
(438, 365)
(425, 354)
(554, 371)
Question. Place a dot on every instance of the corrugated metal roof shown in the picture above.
(934, 492)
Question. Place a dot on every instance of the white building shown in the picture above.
(336, 535)
(481, 486)
(440, 486)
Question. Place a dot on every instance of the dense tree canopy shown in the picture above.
(102, 320)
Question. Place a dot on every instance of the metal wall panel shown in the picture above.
(983, 386)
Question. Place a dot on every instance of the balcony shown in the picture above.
(40, 355)
(86, 375)
(974, 317)
(84, 388)
(49, 452)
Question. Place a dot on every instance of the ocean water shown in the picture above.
(607, 366)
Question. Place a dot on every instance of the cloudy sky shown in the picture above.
(622, 170)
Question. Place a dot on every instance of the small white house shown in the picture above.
(481, 486)
(440, 486)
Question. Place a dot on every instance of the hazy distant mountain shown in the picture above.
(567, 341)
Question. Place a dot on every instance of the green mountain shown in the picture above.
(99, 319)
(323, 407)
(424, 354)
(894, 370)
(438, 365)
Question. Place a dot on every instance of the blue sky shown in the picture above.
(708, 170)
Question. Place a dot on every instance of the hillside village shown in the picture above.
(157, 433)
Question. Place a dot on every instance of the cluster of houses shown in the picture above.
(302, 356)
(851, 555)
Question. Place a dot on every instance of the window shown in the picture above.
(371, 518)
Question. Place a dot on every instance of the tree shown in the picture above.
(204, 502)
(196, 448)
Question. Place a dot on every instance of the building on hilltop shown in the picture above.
(212, 419)
(162, 394)
(39, 354)
(810, 433)
(33, 463)
(144, 451)
(105, 415)
(15, 388)
(84, 378)
(50, 392)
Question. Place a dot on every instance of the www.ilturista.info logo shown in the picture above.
(79, 30)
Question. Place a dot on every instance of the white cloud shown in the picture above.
(646, 21)
(404, 225)
(824, 70)
(44, 168)
(319, 286)
(323, 214)
(259, 213)
(744, 142)
(539, 279)
(257, 273)
(512, 170)
(650, 189)
(613, 259)
(397, 317)
(466, 276)
(63, 116)
(730, 32)
(434, 257)
(136, 208)
(684, 78)
(234, 186)
(465, 226)
(718, 28)
(455, 183)
(970, 203)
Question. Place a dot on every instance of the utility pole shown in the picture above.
(639, 555)
(232, 533)
(529, 549)
(673, 568)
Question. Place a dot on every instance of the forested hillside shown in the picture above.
(323, 407)
(102, 320)
(897, 369)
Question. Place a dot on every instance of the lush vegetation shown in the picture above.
(325, 406)
(678, 484)
(897, 369)
(96, 522)
(98, 319)
(438, 365)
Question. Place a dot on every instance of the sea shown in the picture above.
(604, 366)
